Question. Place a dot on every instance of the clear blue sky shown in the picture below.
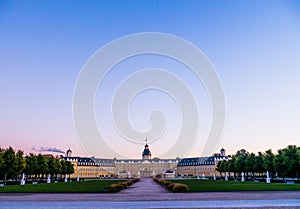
(254, 46)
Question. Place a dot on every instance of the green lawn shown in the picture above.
(94, 186)
(196, 185)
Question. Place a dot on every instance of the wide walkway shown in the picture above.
(147, 194)
(144, 187)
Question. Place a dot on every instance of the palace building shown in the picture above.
(85, 167)
(200, 166)
(146, 166)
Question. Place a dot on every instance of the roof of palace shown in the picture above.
(91, 161)
(200, 161)
(128, 161)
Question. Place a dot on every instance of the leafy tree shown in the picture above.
(221, 167)
(241, 161)
(43, 167)
(1, 162)
(293, 159)
(13, 163)
(250, 164)
(281, 163)
(232, 166)
(52, 165)
(225, 165)
(59, 167)
(20, 162)
(269, 164)
(241, 152)
(9, 163)
(259, 163)
(69, 167)
(63, 170)
(31, 165)
(298, 167)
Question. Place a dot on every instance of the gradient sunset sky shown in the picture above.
(253, 45)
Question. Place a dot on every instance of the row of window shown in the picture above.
(201, 168)
(88, 174)
(96, 164)
(94, 169)
(138, 162)
(196, 163)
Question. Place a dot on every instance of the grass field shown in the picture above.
(95, 186)
(196, 185)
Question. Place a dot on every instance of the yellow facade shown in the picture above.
(202, 166)
(145, 167)
(92, 167)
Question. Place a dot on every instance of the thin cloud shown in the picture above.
(48, 149)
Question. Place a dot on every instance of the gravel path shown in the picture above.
(147, 190)
(143, 188)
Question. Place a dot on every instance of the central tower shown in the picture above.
(146, 153)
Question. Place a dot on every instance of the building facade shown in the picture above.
(146, 166)
(85, 167)
(200, 166)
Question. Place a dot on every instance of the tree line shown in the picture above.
(284, 163)
(13, 164)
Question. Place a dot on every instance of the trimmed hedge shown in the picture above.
(177, 187)
(173, 187)
(119, 186)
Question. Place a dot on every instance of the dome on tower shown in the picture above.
(68, 153)
(223, 152)
(146, 153)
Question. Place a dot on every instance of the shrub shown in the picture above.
(112, 188)
(119, 186)
(156, 180)
(165, 183)
(171, 186)
(129, 183)
(124, 184)
(176, 188)
(135, 180)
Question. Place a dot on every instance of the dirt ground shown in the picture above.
(148, 190)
